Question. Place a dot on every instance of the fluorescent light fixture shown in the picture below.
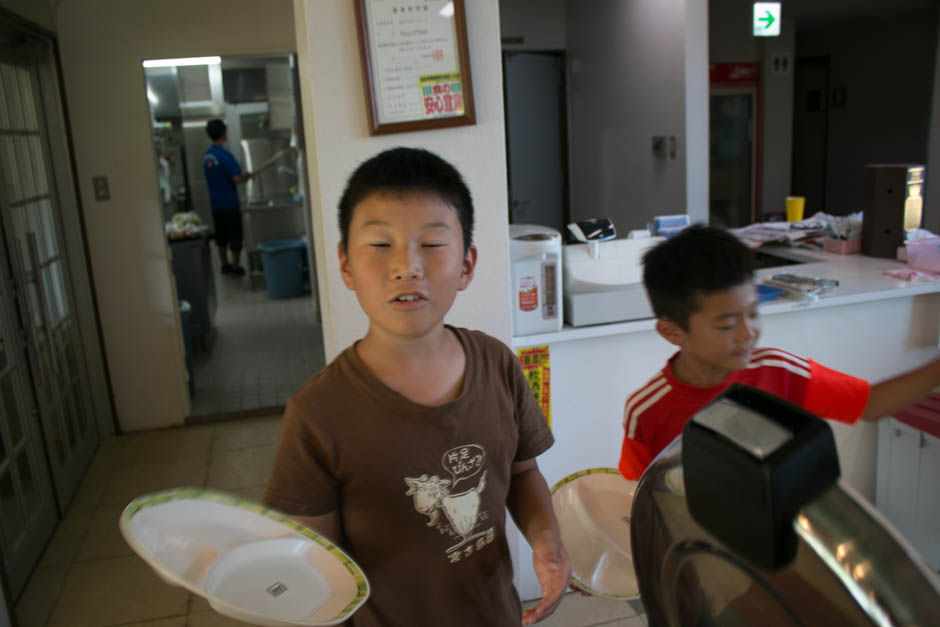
(447, 10)
(186, 61)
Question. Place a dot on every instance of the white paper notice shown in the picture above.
(416, 71)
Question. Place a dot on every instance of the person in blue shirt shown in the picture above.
(222, 175)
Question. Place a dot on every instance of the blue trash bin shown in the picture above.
(283, 264)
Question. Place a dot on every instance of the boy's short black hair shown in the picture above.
(408, 170)
(698, 261)
(215, 129)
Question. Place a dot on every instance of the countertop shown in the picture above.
(861, 279)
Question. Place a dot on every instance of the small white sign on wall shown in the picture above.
(766, 19)
(780, 63)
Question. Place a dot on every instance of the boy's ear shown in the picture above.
(468, 265)
(344, 267)
(671, 331)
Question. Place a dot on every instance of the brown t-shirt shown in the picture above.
(420, 491)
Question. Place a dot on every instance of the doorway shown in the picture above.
(251, 341)
(536, 138)
(810, 131)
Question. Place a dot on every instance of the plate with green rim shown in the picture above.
(250, 562)
(593, 508)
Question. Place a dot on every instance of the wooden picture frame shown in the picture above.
(415, 64)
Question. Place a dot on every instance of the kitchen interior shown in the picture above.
(252, 340)
(586, 355)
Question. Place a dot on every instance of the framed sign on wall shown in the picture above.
(415, 64)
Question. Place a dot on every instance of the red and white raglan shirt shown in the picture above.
(655, 414)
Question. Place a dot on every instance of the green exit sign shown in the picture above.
(766, 19)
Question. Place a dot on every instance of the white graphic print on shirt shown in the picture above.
(460, 504)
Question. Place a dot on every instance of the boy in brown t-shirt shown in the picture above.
(409, 447)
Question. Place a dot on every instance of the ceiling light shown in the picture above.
(185, 61)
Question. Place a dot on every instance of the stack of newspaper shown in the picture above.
(788, 233)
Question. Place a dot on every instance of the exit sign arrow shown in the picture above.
(769, 18)
(766, 19)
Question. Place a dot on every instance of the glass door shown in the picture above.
(47, 423)
(32, 231)
(732, 157)
(27, 503)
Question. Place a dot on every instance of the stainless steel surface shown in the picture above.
(851, 567)
(748, 429)
(274, 163)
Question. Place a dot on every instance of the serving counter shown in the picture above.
(872, 326)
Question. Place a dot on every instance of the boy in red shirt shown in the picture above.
(701, 287)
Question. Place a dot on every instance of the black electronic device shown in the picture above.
(593, 230)
(751, 460)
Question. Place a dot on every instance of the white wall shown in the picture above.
(103, 43)
(627, 82)
(887, 68)
(776, 113)
(696, 109)
(540, 23)
(335, 122)
(731, 39)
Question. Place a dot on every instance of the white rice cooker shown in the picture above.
(535, 291)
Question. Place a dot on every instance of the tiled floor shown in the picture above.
(264, 349)
(88, 577)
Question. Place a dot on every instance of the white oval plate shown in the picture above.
(251, 563)
(593, 508)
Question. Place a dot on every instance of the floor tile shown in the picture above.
(134, 480)
(115, 592)
(246, 433)
(164, 444)
(104, 537)
(178, 621)
(93, 485)
(241, 468)
(67, 539)
(253, 335)
(576, 610)
(39, 597)
(198, 604)
(211, 619)
(251, 493)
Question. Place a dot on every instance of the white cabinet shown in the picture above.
(908, 485)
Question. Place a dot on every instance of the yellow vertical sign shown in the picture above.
(535, 366)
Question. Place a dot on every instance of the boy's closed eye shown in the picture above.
(379, 244)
